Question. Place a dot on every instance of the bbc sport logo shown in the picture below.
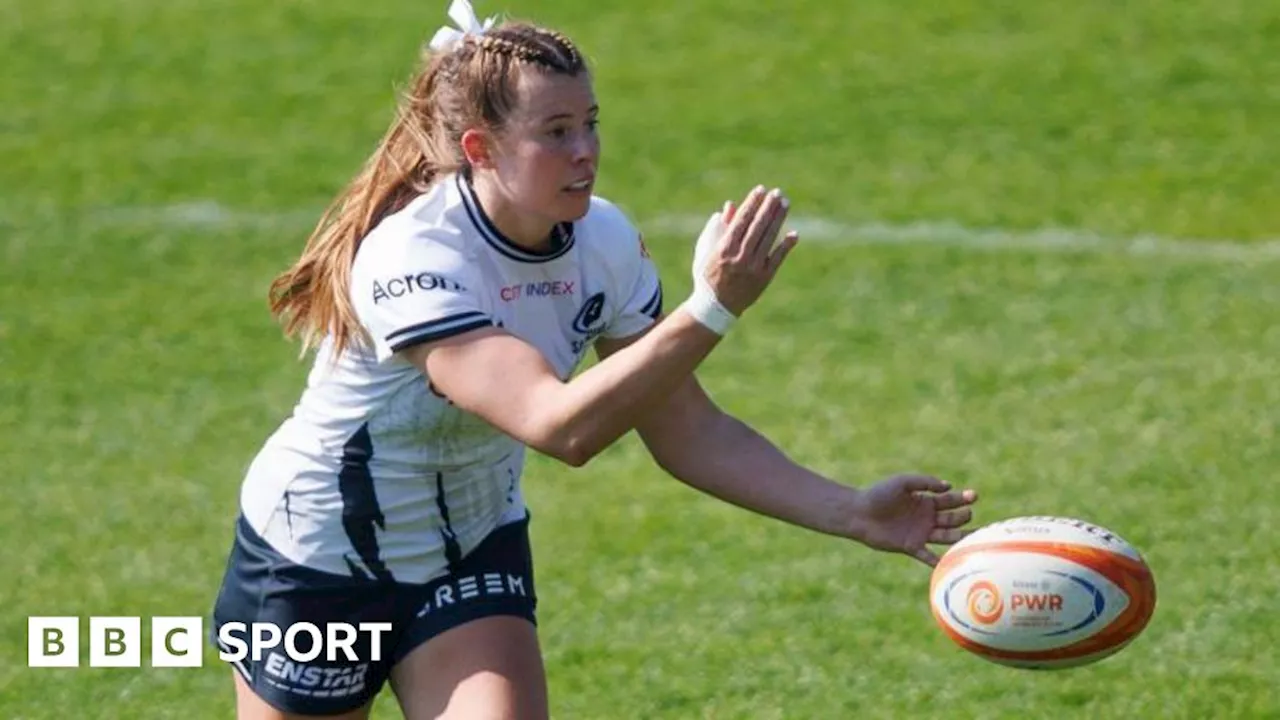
(54, 642)
(177, 642)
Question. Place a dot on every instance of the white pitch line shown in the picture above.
(955, 235)
(199, 214)
(209, 214)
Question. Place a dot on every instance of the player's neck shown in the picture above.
(531, 233)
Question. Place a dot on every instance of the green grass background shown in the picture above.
(139, 370)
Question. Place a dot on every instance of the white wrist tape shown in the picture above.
(703, 304)
(706, 309)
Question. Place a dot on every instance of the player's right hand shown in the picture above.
(738, 255)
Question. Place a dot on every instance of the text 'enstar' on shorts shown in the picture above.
(54, 642)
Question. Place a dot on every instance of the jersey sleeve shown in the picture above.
(413, 291)
(641, 296)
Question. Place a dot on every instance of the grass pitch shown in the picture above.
(161, 161)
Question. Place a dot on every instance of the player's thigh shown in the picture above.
(485, 669)
(251, 707)
(261, 586)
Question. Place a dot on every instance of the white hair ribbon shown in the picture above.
(446, 38)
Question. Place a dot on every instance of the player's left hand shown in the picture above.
(906, 513)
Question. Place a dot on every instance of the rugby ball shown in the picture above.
(1042, 592)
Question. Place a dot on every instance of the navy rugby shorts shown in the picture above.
(262, 586)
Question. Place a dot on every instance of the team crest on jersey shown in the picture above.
(589, 315)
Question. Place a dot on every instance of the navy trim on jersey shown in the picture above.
(437, 329)
(288, 513)
(561, 236)
(653, 308)
(360, 509)
(452, 550)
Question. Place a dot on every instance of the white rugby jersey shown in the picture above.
(375, 474)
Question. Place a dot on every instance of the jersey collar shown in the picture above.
(561, 236)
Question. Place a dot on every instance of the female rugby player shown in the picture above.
(451, 292)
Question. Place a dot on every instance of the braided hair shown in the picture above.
(526, 43)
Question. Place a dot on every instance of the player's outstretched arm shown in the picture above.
(714, 452)
(507, 381)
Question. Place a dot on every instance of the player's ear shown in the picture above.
(477, 148)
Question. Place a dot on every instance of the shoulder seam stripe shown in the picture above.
(430, 336)
(438, 324)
